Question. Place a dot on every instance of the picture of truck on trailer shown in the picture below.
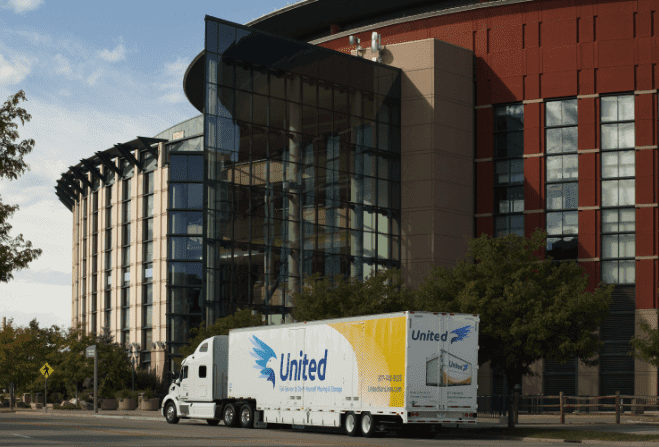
(364, 374)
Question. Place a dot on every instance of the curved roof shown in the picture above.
(193, 81)
(72, 181)
(311, 19)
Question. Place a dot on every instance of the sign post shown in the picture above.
(91, 352)
(46, 370)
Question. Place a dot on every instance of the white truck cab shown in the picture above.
(200, 389)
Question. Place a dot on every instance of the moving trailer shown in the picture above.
(364, 374)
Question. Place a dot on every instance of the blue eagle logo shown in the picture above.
(460, 333)
(263, 355)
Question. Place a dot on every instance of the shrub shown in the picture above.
(126, 394)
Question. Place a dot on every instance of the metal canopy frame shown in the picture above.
(93, 170)
(81, 177)
(70, 182)
(128, 155)
(65, 200)
(147, 142)
(107, 162)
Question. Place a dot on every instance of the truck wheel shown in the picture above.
(352, 424)
(170, 413)
(246, 416)
(229, 415)
(212, 422)
(367, 425)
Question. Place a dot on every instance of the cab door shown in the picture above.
(185, 384)
(202, 373)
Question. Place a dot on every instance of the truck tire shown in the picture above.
(351, 424)
(247, 416)
(230, 415)
(367, 425)
(170, 413)
(212, 422)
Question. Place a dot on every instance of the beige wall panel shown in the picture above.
(455, 141)
(453, 86)
(453, 223)
(449, 248)
(452, 113)
(416, 138)
(410, 55)
(417, 83)
(453, 197)
(418, 166)
(453, 169)
(416, 194)
(418, 222)
(417, 111)
(417, 247)
(453, 59)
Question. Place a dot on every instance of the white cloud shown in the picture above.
(14, 71)
(115, 55)
(91, 80)
(21, 6)
(62, 64)
(173, 85)
(177, 69)
(25, 301)
(173, 98)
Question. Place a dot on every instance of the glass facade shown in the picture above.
(125, 251)
(150, 164)
(562, 187)
(301, 172)
(618, 189)
(509, 170)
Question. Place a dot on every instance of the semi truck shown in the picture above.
(362, 374)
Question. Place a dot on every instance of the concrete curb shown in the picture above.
(74, 413)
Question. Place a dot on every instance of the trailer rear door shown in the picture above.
(425, 343)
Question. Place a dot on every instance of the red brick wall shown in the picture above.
(551, 49)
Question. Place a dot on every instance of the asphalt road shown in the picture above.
(23, 429)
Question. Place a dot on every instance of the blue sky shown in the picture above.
(95, 74)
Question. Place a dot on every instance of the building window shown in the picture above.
(84, 263)
(125, 259)
(186, 174)
(509, 170)
(107, 285)
(618, 189)
(562, 187)
(148, 179)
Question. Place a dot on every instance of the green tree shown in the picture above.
(529, 308)
(222, 326)
(15, 252)
(23, 350)
(325, 297)
(646, 346)
(66, 354)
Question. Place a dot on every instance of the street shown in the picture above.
(31, 429)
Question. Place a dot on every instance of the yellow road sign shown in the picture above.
(46, 370)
